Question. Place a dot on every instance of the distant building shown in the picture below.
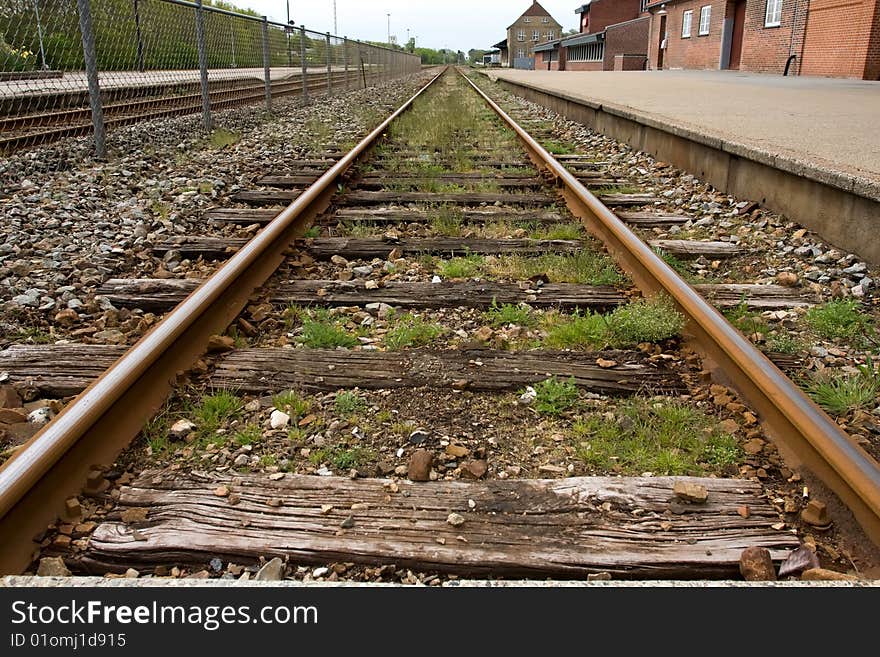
(613, 36)
(804, 37)
(534, 27)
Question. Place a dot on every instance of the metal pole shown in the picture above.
(203, 65)
(389, 29)
(302, 55)
(335, 29)
(140, 41)
(86, 28)
(40, 35)
(361, 59)
(266, 64)
(329, 64)
(345, 60)
(232, 34)
(287, 31)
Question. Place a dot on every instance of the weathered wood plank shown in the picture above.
(243, 216)
(627, 200)
(696, 248)
(549, 528)
(471, 294)
(262, 370)
(57, 370)
(324, 248)
(650, 219)
(350, 247)
(148, 294)
(756, 297)
(353, 198)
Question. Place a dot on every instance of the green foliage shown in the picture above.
(554, 397)
(215, 409)
(223, 138)
(411, 330)
(342, 458)
(248, 435)
(841, 393)
(645, 320)
(841, 318)
(569, 231)
(348, 403)
(292, 403)
(585, 267)
(509, 313)
(745, 320)
(321, 332)
(464, 267)
(666, 438)
(576, 330)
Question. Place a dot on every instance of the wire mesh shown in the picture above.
(148, 64)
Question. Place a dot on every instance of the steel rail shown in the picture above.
(805, 434)
(105, 417)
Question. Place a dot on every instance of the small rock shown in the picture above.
(419, 468)
(279, 419)
(135, 514)
(743, 511)
(690, 492)
(755, 565)
(220, 343)
(528, 396)
(728, 426)
(320, 572)
(272, 571)
(825, 575)
(604, 363)
(40, 416)
(221, 491)
(455, 519)
(66, 317)
(599, 577)
(181, 429)
(801, 559)
(457, 451)
(9, 397)
(816, 514)
(474, 469)
(371, 285)
(484, 333)
(52, 567)
(753, 446)
(418, 436)
(787, 278)
(348, 523)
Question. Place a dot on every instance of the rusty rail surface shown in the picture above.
(804, 433)
(104, 418)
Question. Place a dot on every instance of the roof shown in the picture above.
(535, 10)
(583, 39)
(583, 8)
(547, 45)
(501, 44)
(660, 3)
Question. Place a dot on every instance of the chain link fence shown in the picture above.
(78, 67)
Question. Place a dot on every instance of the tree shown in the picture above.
(475, 55)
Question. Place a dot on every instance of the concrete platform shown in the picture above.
(756, 136)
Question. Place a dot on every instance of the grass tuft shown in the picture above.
(509, 313)
(841, 393)
(411, 331)
(646, 320)
(554, 397)
(838, 319)
(348, 403)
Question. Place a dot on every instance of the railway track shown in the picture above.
(425, 361)
(32, 129)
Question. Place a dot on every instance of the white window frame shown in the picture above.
(549, 35)
(687, 23)
(773, 13)
(546, 19)
(527, 20)
(521, 35)
(520, 53)
(705, 20)
(536, 35)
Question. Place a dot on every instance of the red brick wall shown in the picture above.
(838, 37)
(700, 52)
(629, 38)
(872, 66)
(766, 49)
(584, 66)
(608, 12)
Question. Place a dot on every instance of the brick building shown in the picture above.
(613, 36)
(534, 27)
(807, 37)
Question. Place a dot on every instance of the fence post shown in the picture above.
(345, 61)
(329, 64)
(266, 63)
(86, 28)
(361, 60)
(203, 66)
(302, 57)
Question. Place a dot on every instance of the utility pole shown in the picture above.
(40, 35)
(287, 31)
(140, 41)
(389, 29)
(335, 29)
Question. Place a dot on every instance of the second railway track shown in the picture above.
(426, 363)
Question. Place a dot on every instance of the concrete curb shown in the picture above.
(827, 176)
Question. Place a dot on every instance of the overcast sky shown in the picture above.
(455, 24)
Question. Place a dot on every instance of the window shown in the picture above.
(549, 35)
(521, 35)
(643, 6)
(527, 20)
(686, 20)
(705, 17)
(591, 52)
(773, 15)
(536, 36)
(520, 53)
(546, 19)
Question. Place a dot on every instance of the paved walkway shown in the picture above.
(831, 125)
